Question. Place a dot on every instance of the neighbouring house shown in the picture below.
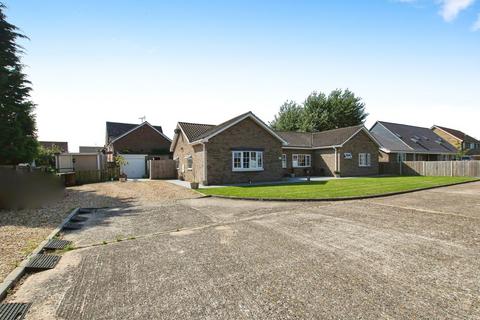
(62, 145)
(464, 143)
(90, 149)
(137, 143)
(400, 142)
(245, 149)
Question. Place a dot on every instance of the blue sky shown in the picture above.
(414, 62)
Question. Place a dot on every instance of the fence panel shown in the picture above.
(93, 176)
(441, 168)
(162, 169)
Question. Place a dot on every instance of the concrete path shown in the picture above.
(410, 256)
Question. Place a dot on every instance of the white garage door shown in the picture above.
(135, 167)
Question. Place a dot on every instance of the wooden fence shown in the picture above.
(441, 168)
(162, 169)
(93, 176)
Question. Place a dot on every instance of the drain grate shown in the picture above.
(72, 226)
(55, 244)
(42, 262)
(86, 210)
(78, 219)
(13, 311)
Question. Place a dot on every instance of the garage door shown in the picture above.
(135, 167)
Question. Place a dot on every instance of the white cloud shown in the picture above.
(451, 8)
(476, 25)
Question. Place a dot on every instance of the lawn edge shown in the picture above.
(13, 277)
(380, 195)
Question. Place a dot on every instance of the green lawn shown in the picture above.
(337, 188)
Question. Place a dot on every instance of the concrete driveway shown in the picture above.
(410, 256)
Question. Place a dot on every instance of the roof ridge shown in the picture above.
(201, 124)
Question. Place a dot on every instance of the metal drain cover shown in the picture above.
(78, 219)
(13, 311)
(72, 226)
(55, 244)
(42, 262)
(86, 210)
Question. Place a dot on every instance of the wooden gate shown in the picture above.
(162, 169)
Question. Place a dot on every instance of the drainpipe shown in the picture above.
(336, 159)
(205, 182)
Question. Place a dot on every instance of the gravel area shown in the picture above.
(22, 230)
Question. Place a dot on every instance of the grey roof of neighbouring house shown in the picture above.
(459, 134)
(116, 129)
(406, 138)
(321, 139)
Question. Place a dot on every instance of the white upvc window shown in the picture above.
(401, 157)
(364, 160)
(247, 160)
(189, 162)
(301, 160)
(284, 161)
(177, 163)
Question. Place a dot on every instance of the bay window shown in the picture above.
(247, 160)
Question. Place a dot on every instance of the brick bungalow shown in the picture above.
(244, 149)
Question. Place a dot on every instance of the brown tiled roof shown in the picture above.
(63, 145)
(459, 134)
(334, 137)
(296, 139)
(194, 130)
(321, 139)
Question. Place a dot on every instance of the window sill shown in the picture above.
(364, 166)
(298, 167)
(247, 170)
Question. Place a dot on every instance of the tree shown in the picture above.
(320, 112)
(46, 156)
(289, 118)
(17, 122)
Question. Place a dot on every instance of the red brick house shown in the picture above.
(244, 149)
(136, 143)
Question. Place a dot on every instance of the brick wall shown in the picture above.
(299, 172)
(246, 134)
(360, 143)
(144, 140)
(181, 152)
(324, 163)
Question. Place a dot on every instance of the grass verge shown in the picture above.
(335, 188)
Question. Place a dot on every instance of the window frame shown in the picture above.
(248, 161)
(368, 160)
(189, 157)
(295, 163)
(284, 161)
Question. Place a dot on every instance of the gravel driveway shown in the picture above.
(409, 256)
(21, 231)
